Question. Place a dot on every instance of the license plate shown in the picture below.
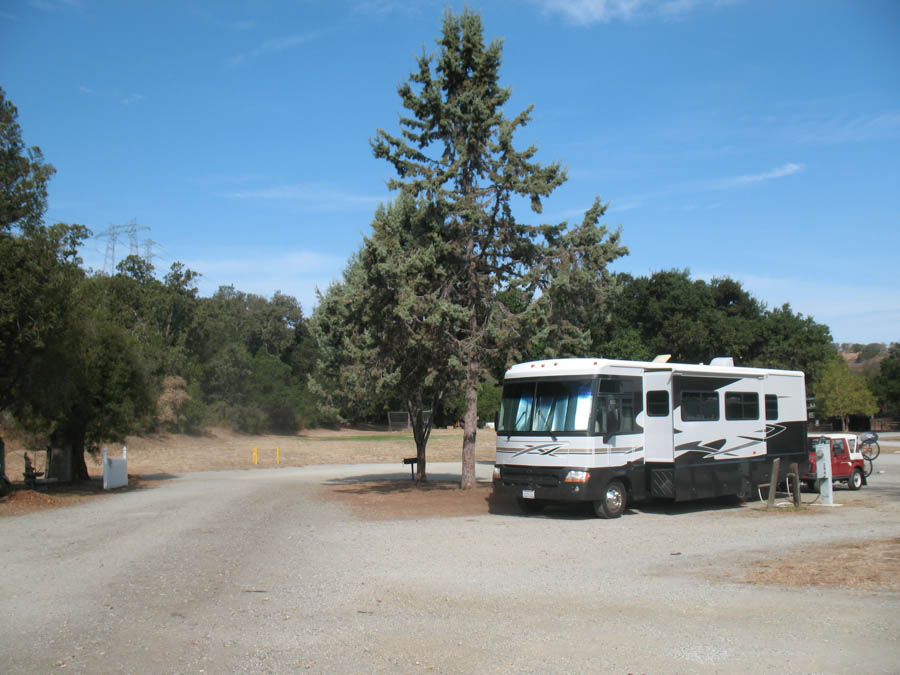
(527, 494)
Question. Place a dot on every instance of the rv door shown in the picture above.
(658, 441)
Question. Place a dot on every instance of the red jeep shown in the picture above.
(847, 464)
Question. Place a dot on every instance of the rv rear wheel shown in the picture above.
(856, 480)
(745, 494)
(613, 502)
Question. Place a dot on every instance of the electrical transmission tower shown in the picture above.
(112, 234)
(148, 249)
(132, 230)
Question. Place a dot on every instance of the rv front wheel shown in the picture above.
(856, 480)
(613, 502)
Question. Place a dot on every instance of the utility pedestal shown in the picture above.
(823, 472)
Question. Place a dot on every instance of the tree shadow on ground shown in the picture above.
(20, 500)
(401, 480)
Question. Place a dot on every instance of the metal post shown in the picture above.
(773, 482)
(795, 469)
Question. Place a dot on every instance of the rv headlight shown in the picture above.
(496, 472)
(578, 476)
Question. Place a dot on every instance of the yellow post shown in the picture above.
(255, 456)
(277, 455)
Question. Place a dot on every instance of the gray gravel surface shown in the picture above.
(251, 571)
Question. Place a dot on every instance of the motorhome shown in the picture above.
(613, 432)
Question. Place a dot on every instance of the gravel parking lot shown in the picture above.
(254, 571)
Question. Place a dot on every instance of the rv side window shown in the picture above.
(618, 401)
(699, 406)
(614, 414)
(741, 405)
(658, 403)
(771, 407)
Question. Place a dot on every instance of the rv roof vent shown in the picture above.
(662, 358)
(722, 361)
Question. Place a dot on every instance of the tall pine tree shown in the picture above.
(455, 152)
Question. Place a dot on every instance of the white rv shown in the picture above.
(612, 432)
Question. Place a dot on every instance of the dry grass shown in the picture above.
(871, 565)
(221, 450)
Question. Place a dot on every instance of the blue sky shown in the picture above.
(754, 139)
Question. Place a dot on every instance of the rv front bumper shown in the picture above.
(563, 484)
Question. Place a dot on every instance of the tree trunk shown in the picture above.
(421, 432)
(67, 455)
(470, 423)
(3, 479)
(79, 465)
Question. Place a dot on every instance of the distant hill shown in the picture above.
(867, 360)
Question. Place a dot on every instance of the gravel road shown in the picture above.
(252, 571)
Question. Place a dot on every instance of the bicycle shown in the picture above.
(868, 445)
(868, 467)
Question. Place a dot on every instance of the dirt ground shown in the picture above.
(875, 565)
(163, 455)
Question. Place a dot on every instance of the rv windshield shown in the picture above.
(545, 406)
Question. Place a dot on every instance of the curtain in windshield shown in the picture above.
(549, 405)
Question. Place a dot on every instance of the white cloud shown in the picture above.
(224, 179)
(239, 25)
(53, 5)
(312, 194)
(131, 99)
(860, 128)
(588, 12)
(788, 169)
(296, 273)
(86, 90)
(271, 46)
(385, 7)
(693, 187)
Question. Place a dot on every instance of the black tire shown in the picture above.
(744, 494)
(613, 502)
(531, 505)
(871, 450)
(812, 485)
(868, 467)
(856, 480)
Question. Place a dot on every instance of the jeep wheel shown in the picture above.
(856, 480)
